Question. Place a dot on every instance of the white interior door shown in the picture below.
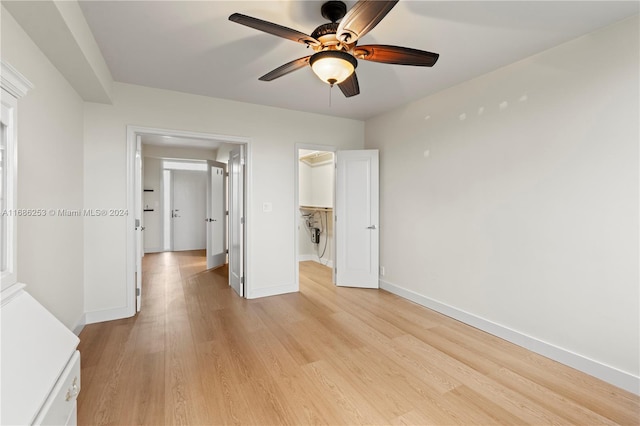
(356, 223)
(216, 247)
(236, 219)
(189, 212)
(138, 219)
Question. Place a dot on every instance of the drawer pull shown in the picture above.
(73, 391)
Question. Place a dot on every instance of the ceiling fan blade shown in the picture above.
(362, 17)
(275, 29)
(350, 86)
(395, 55)
(286, 69)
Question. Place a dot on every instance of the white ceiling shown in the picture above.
(191, 46)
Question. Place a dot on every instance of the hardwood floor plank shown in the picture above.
(512, 401)
(146, 407)
(564, 407)
(354, 407)
(227, 405)
(197, 354)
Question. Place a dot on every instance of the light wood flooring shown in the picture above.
(197, 354)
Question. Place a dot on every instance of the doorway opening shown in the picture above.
(173, 199)
(186, 167)
(315, 200)
(336, 206)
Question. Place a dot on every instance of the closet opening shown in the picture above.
(315, 203)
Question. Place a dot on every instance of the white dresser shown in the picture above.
(40, 366)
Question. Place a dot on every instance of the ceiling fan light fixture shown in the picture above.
(333, 66)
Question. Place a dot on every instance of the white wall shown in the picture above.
(189, 153)
(50, 126)
(273, 132)
(322, 184)
(523, 216)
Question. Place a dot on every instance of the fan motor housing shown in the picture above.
(325, 29)
(333, 10)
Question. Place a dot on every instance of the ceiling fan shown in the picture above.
(335, 44)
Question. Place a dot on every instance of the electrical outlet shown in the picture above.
(382, 271)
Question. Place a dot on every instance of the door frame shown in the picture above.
(132, 133)
(183, 173)
(296, 206)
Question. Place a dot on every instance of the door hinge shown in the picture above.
(242, 280)
(137, 291)
(226, 213)
(227, 174)
(227, 251)
(242, 221)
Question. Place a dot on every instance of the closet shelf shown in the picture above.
(317, 158)
(316, 209)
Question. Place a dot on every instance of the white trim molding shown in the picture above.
(13, 82)
(594, 368)
(13, 86)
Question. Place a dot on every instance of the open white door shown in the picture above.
(216, 251)
(236, 219)
(356, 222)
(138, 219)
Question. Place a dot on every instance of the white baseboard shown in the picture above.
(108, 315)
(153, 250)
(315, 258)
(594, 368)
(272, 291)
(77, 328)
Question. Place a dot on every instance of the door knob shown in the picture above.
(371, 227)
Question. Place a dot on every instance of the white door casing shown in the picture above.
(215, 221)
(131, 254)
(188, 210)
(139, 221)
(236, 219)
(357, 220)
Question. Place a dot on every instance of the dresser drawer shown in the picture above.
(60, 407)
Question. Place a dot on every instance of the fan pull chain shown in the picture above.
(330, 87)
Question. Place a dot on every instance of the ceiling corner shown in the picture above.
(61, 32)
